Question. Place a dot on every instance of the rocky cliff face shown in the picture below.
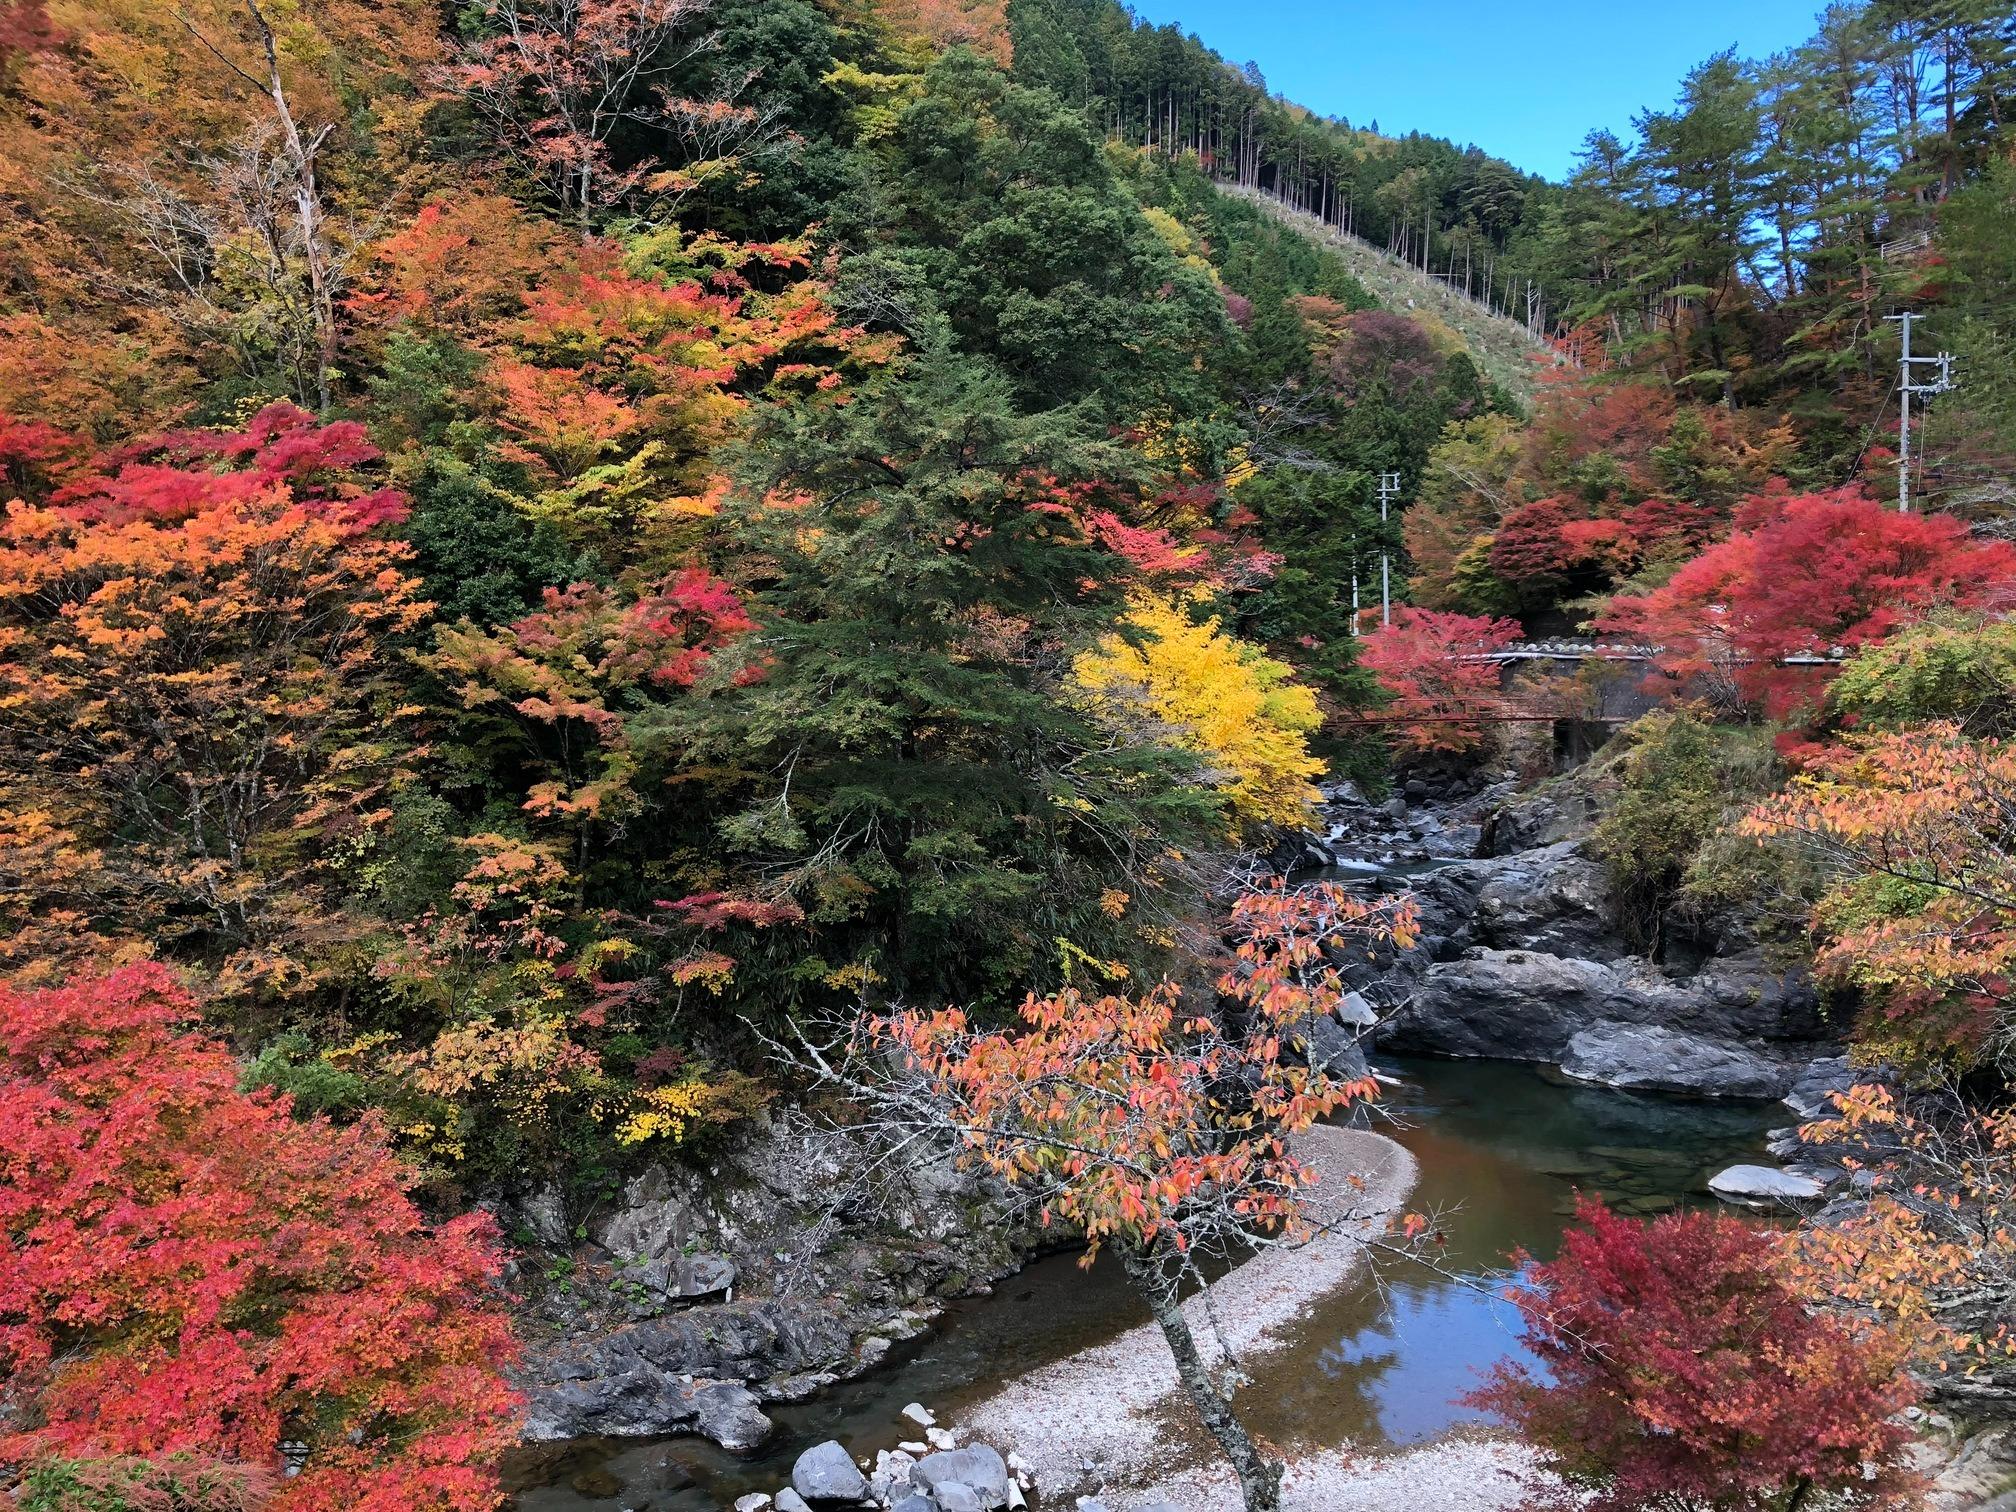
(1520, 958)
(701, 1293)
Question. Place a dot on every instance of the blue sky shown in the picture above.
(1524, 81)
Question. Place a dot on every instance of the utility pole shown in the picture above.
(1389, 490)
(1907, 385)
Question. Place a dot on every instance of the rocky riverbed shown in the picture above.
(634, 1323)
(1521, 958)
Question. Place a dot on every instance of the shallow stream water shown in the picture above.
(1502, 1150)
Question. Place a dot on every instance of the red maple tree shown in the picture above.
(1801, 576)
(185, 1269)
(1436, 668)
(1681, 1370)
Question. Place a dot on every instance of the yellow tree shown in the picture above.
(1186, 683)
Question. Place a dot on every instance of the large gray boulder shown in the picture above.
(1648, 1057)
(827, 1473)
(654, 1222)
(1554, 899)
(689, 1276)
(654, 1378)
(1515, 1004)
(1519, 1004)
(1533, 820)
(976, 1466)
(644, 1402)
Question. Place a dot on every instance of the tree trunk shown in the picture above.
(1259, 1478)
(301, 153)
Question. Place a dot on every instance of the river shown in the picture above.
(1502, 1149)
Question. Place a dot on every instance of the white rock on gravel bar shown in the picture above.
(1764, 1184)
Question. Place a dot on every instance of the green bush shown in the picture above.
(1664, 836)
(1952, 666)
(177, 1483)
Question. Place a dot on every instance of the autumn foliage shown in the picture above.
(613, 374)
(1154, 1127)
(189, 1270)
(1931, 1252)
(195, 671)
(1801, 576)
(1207, 692)
(1920, 911)
(979, 24)
(1111, 1113)
(1682, 1370)
(1436, 667)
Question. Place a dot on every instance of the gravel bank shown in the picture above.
(1114, 1415)
(1457, 1475)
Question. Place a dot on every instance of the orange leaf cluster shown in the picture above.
(1933, 1252)
(1921, 914)
(1141, 1122)
(190, 660)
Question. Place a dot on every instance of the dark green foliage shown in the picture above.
(480, 558)
(919, 781)
(1972, 433)
(1035, 253)
(1682, 781)
(1048, 54)
(293, 1065)
(773, 56)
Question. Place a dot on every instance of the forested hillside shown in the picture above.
(554, 548)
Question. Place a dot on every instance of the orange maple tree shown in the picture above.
(193, 684)
(190, 1271)
(1931, 1252)
(1920, 912)
(613, 373)
(1158, 1129)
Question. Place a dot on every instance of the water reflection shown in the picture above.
(1503, 1150)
